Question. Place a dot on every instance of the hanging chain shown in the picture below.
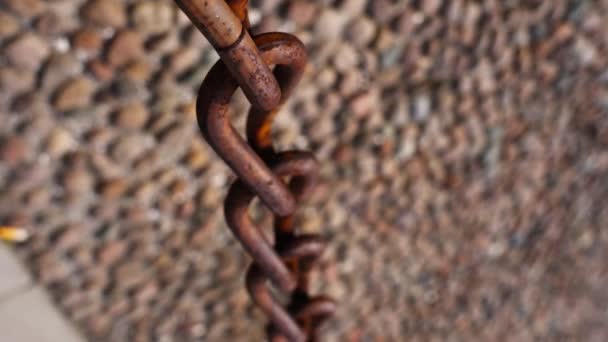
(262, 171)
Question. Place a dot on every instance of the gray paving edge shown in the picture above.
(27, 313)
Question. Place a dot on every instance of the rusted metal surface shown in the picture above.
(287, 260)
(215, 19)
(240, 9)
(225, 31)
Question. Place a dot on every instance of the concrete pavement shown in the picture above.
(26, 312)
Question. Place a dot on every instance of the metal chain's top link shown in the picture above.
(225, 30)
(261, 170)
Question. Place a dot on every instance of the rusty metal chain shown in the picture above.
(246, 63)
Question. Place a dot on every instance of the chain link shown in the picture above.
(262, 171)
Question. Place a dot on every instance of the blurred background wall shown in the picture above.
(464, 152)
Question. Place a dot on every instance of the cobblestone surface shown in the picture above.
(464, 150)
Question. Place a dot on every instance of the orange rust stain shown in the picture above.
(239, 7)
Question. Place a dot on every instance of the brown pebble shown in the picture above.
(50, 23)
(13, 80)
(113, 189)
(77, 181)
(111, 252)
(197, 159)
(302, 12)
(106, 13)
(346, 58)
(59, 68)
(329, 24)
(26, 8)
(13, 150)
(132, 116)
(125, 47)
(153, 17)
(138, 70)
(130, 274)
(361, 31)
(102, 71)
(74, 94)
(27, 51)
(362, 104)
(60, 142)
(87, 39)
(9, 25)
(130, 147)
(68, 237)
(183, 59)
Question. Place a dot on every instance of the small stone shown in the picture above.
(209, 196)
(139, 70)
(361, 31)
(351, 83)
(127, 89)
(147, 292)
(125, 47)
(486, 78)
(148, 161)
(174, 140)
(13, 80)
(183, 59)
(38, 198)
(164, 43)
(145, 193)
(77, 181)
(197, 159)
(353, 7)
(87, 39)
(99, 137)
(60, 142)
(422, 107)
(346, 58)
(330, 24)
(302, 12)
(9, 25)
(27, 51)
(106, 13)
(431, 7)
(58, 69)
(130, 274)
(132, 116)
(102, 71)
(26, 8)
(153, 17)
(175, 134)
(105, 167)
(13, 150)
(168, 96)
(362, 104)
(67, 237)
(585, 51)
(385, 40)
(178, 189)
(51, 268)
(74, 94)
(130, 147)
(50, 23)
(187, 111)
(111, 252)
(113, 189)
(326, 78)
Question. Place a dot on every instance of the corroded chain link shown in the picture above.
(262, 171)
